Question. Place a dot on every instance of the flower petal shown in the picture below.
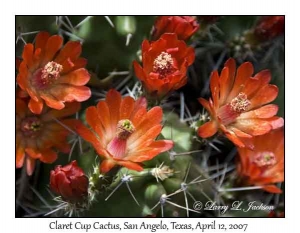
(94, 121)
(48, 156)
(272, 189)
(127, 107)
(235, 139)
(139, 72)
(152, 118)
(131, 165)
(77, 77)
(225, 84)
(215, 88)
(254, 126)
(30, 165)
(150, 152)
(113, 100)
(35, 106)
(145, 139)
(69, 93)
(208, 129)
(22, 78)
(266, 111)
(107, 165)
(239, 133)
(244, 72)
(71, 50)
(33, 152)
(54, 43)
(89, 136)
(52, 102)
(264, 96)
(41, 40)
(27, 54)
(104, 116)
(70, 109)
(20, 156)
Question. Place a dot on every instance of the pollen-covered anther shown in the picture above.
(51, 72)
(47, 75)
(240, 103)
(124, 129)
(30, 126)
(163, 64)
(265, 159)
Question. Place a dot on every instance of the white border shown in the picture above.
(196, 7)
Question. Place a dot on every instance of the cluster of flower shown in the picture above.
(123, 130)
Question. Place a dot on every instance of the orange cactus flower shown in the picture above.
(269, 27)
(37, 136)
(264, 165)
(183, 26)
(165, 64)
(239, 105)
(53, 74)
(123, 132)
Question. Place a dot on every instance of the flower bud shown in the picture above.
(70, 182)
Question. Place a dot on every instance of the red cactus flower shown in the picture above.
(264, 165)
(123, 132)
(40, 136)
(183, 26)
(52, 74)
(69, 182)
(239, 105)
(165, 64)
(269, 27)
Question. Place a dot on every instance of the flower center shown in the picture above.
(264, 159)
(240, 103)
(163, 64)
(117, 146)
(46, 76)
(31, 126)
(124, 129)
(229, 112)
